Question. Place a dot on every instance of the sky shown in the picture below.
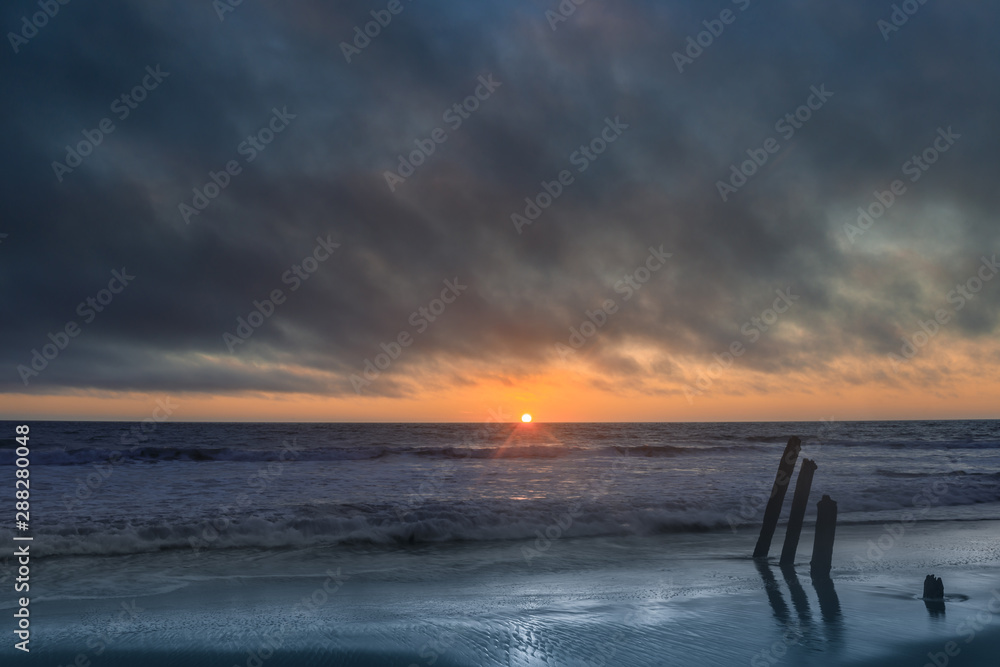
(421, 210)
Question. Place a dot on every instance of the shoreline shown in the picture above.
(693, 598)
(982, 513)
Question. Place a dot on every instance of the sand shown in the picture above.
(682, 599)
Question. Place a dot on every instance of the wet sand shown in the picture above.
(682, 599)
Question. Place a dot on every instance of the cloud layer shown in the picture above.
(323, 176)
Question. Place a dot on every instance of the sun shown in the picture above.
(526, 418)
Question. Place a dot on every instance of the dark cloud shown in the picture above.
(323, 176)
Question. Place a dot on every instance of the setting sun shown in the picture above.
(526, 418)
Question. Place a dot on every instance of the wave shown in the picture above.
(910, 444)
(418, 520)
(155, 454)
(420, 526)
(897, 474)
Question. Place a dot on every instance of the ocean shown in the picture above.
(424, 531)
(100, 488)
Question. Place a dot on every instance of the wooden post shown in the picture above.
(799, 502)
(933, 588)
(781, 480)
(826, 529)
(934, 595)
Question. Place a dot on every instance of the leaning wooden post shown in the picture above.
(781, 480)
(799, 502)
(826, 529)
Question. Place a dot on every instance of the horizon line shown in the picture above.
(517, 421)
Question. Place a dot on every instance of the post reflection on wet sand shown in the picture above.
(773, 591)
(935, 608)
(803, 625)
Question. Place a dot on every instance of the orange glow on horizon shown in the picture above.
(949, 381)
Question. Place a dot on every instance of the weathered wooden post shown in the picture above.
(781, 480)
(933, 588)
(934, 595)
(826, 529)
(799, 503)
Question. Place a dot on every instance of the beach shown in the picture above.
(517, 334)
(671, 600)
(495, 545)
